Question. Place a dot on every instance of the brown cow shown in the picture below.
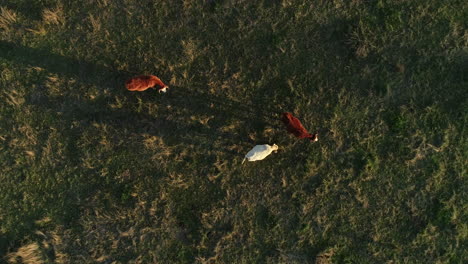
(294, 126)
(143, 82)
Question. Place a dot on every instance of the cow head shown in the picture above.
(275, 148)
(314, 137)
(164, 89)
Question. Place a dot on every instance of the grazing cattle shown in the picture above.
(294, 126)
(259, 152)
(143, 82)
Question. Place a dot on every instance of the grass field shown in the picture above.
(92, 173)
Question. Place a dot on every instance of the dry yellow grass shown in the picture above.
(53, 16)
(27, 254)
(8, 18)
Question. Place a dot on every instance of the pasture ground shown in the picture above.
(91, 173)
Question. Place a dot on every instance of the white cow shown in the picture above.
(260, 152)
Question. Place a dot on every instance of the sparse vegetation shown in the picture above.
(92, 173)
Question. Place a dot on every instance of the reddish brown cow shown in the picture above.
(143, 82)
(294, 126)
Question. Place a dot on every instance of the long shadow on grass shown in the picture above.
(59, 64)
(194, 99)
